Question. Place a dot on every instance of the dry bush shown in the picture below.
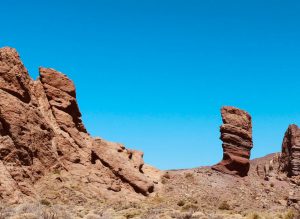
(181, 203)
(190, 207)
(224, 206)
(189, 176)
(45, 202)
(25, 216)
(253, 215)
(290, 215)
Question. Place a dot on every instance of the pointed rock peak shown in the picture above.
(9, 54)
(41, 131)
(58, 80)
(14, 78)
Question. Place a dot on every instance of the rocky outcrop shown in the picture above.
(43, 142)
(236, 134)
(290, 155)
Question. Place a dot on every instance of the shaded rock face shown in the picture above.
(236, 134)
(290, 155)
(41, 133)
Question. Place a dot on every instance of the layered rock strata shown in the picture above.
(290, 155)
(236, 134)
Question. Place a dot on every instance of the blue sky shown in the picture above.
(153, 74)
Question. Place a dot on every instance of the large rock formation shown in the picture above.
(290, 155)
(44, 145)
(236, 134)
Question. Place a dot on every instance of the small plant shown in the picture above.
(157, 199)
(190, 207)
(289, 215)
(189, 175)
(167, 175)
(254, 216)
(181, 203)
(224, 206)
(131, 213)
(56, 171)
(45, 202)
(163, 181)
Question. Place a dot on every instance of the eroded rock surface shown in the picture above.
(290, 155)
(236, 134)
(43, 142)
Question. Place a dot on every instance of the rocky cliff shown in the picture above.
(44, 145)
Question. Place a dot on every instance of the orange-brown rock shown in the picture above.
(42, 134)
(236, 134)
(290, 154)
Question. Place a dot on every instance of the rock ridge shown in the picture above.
(41, 133)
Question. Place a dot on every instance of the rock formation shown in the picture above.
(290, 155)
(236, 134)
(43, 142)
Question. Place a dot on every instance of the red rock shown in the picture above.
(41, 132)
(236, 134)
(290, 155)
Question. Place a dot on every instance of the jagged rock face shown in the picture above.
(41, 133)
(290, 155)
(236, 134)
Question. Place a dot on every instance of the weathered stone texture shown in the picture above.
(290, 155)
(236, 134)
(41, 132)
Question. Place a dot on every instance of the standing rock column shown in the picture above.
(290, 155)
(236, 134)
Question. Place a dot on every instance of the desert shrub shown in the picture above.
(289, 215)
(189, 175)
(92, 216)
(157, 199)
(253, 216)
(131, 213)
(190, 207)
(163, 181)
(166, 175)
(25, 216)
(45, 202)
(181, 215)
(224, 206)
(46, 214)
(181, 203)
(119, 206)
(56, 171)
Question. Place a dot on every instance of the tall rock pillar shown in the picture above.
(236, 134)
(290, 155)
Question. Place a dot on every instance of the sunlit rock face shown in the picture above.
(236, 134)
(42, 134)
(290, 155)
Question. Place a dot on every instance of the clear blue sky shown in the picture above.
(153, 74)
